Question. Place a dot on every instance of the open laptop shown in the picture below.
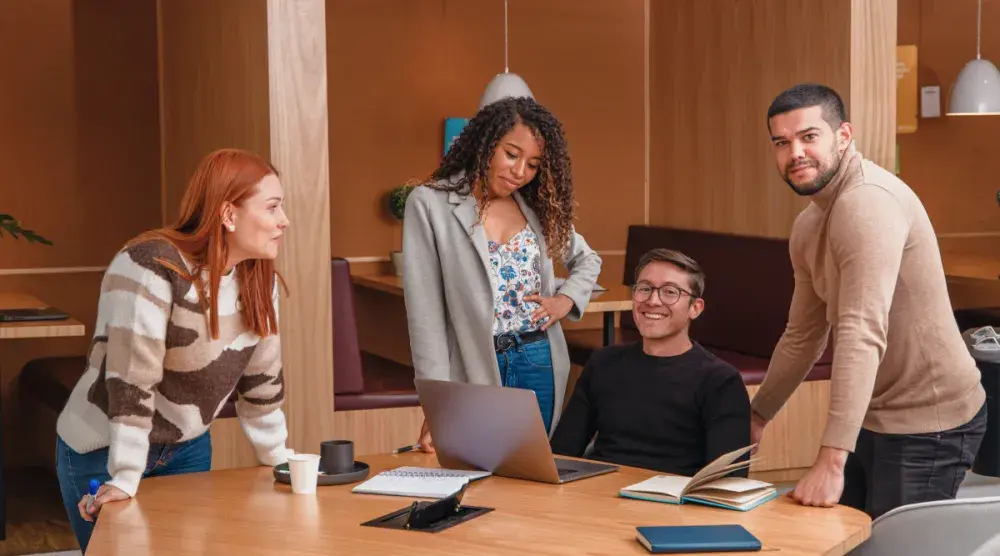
(495, 429)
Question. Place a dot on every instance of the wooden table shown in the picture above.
(245, 512)
(973, 280)
(41, 329)
(19, 330)
(615, 298)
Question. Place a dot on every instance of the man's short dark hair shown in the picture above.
(805, 95)
(695, 275)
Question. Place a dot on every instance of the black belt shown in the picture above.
(507, 340)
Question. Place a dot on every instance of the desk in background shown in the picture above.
(244, 511)
(973, 280)
(42, 329)
(23, 330)
(615, 298)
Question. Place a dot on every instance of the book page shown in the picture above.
(731, 484)
(722, 465)
(736, 500)
(670, 485)
(705, 479)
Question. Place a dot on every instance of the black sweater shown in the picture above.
(670, 414)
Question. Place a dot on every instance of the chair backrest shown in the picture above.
(347, 375)
(953, 527)
(990, 547)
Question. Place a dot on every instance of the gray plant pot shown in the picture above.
(397, 262)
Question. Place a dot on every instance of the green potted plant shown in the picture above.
(397, 206)
(12, 227)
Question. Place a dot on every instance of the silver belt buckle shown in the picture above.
(505, 341)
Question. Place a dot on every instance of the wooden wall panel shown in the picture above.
(38, 118)
(214, 85)
(79, 152)
(296, 46)
(400, 68)
(950, 161)
(79, 162)
(872, 101)
(715, 67)
(117, 128)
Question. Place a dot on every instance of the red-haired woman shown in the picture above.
(187, 314)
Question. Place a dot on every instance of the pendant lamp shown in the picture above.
(504, 84)
(976, 91)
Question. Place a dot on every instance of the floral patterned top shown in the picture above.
(517, 272)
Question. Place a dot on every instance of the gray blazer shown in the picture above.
(449, 290)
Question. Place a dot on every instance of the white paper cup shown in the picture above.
(305, 471)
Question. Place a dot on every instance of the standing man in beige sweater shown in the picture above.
(907, 410)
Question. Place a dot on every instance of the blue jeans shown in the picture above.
(529, 366)
(75, 470)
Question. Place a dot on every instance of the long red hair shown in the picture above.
(226, 175)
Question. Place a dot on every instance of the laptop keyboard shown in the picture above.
(563, 471)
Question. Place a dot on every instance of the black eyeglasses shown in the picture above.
(669, 293)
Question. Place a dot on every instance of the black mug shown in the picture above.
(336, 457)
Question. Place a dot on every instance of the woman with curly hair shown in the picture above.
(479, 239)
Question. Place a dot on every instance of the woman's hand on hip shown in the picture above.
(551, 309)
(105, 494)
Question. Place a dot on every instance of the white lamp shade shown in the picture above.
(976, 90)
(505, 85)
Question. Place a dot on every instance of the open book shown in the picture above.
(709, 486)
(419, 482)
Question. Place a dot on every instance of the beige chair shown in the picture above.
(943, 528)
(990, 547)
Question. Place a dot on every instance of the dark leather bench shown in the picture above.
(748, 290)
(362, 380)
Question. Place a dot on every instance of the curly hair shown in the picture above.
(549, 194)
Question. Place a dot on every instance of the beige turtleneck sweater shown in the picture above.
(866, 262)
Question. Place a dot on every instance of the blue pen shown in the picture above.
(94, 485)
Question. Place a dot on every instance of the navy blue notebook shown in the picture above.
(674, 539)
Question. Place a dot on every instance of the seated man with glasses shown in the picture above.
(664, 403)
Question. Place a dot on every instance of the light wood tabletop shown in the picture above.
(41, 329)
(973, 280)
(244, 511)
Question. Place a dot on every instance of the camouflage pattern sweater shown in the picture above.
(155, 375)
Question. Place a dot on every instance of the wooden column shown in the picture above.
(296, 48)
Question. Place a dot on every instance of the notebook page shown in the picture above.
(409, 471)
(412, 486)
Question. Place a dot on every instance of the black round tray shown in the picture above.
(283, 475)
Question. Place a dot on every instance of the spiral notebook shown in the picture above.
(419, 482)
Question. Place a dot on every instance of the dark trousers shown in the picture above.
(890, 470)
